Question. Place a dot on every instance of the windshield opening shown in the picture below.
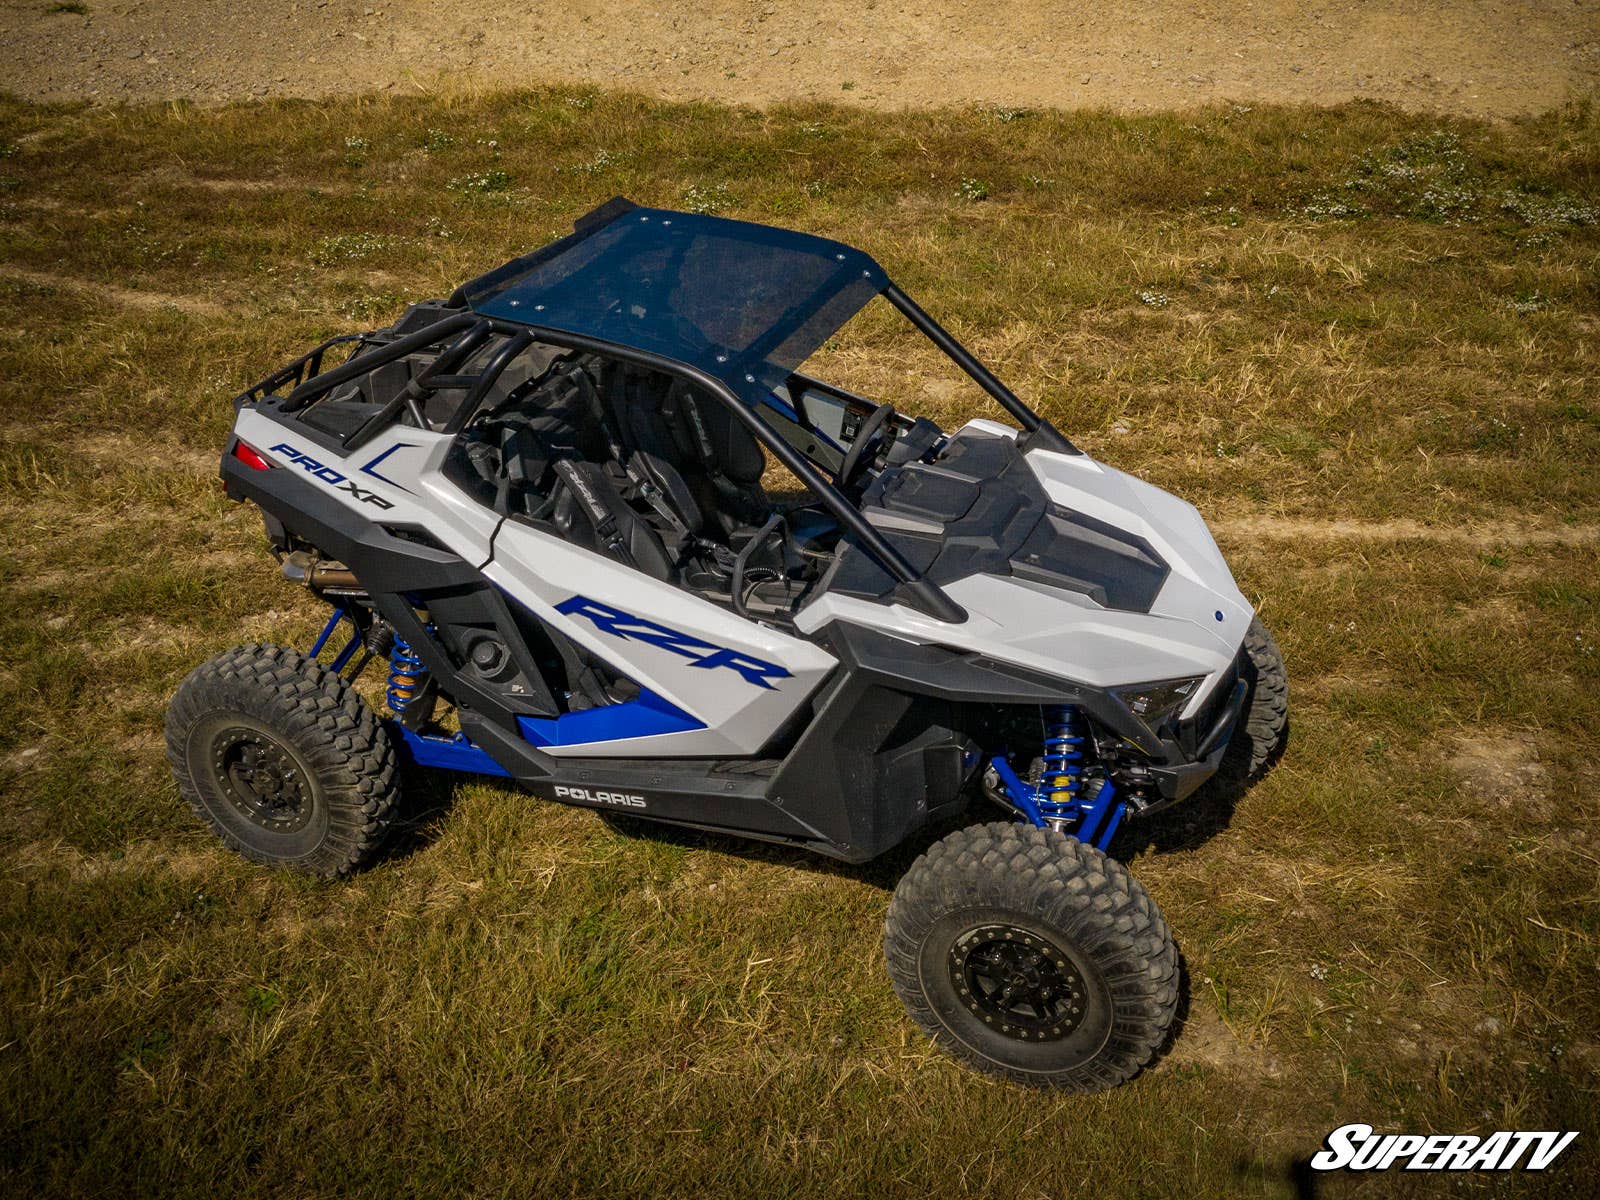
(877, 358)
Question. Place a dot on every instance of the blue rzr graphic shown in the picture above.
(700, 653)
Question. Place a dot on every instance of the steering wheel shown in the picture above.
(870, 434)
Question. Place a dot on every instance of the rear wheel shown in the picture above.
(1029, 955)
(281, 758)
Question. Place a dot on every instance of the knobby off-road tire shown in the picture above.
(283, 760)
(1263, 729)
(1090, 961)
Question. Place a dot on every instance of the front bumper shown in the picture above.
(1186, 769)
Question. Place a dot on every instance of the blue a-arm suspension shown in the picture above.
(350, 647)
(454, 751)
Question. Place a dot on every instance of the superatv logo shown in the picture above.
(328, 475)
(585, 796)
(699, 653)
(1358, 1148)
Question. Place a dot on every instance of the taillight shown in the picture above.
(250, 457)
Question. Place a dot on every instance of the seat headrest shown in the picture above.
(728, 447)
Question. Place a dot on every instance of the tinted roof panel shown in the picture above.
(746, 303)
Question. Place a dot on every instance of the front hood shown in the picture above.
(1200, 588)
(1194, 625)
(1119, 583)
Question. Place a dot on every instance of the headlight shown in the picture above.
(1153, 703)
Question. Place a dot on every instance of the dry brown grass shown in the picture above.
(1392, 416)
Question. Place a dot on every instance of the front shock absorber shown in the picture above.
(406, 675)
(1058, 800)
(1060, 780)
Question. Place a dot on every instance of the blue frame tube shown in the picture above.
(350, 648)
(1021, 794)
(1097, 811)
(327, 632)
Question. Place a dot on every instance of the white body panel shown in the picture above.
(1194, 627)
(1067, 634)
(403, 469)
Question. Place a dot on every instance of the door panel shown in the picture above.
(735, 681)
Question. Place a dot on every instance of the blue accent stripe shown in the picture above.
(647, 716)
(453, 753)
(367, 470)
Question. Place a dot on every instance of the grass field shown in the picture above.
(1364, 343)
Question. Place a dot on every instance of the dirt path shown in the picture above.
(1496, 57)
(1486, 534)
(130, 297)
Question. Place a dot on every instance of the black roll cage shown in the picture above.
(472, 329)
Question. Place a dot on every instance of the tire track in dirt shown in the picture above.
(128, 297)
(1485, 534)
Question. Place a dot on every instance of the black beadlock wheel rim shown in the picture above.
(1018, 983)
(260, 779)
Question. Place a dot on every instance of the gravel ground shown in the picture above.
(1492, 58)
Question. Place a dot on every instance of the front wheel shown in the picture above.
(1029, 955)
(1262, 732)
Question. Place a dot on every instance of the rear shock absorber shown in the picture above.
(1057, 800)
(406, 675)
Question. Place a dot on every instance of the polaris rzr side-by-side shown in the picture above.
(539, 506)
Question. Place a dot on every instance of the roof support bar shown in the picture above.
(1037, 431)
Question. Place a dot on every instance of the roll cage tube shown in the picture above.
(1037, 432)
(920, 593)
(307, 366)
(502, 358)
(318, 386)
